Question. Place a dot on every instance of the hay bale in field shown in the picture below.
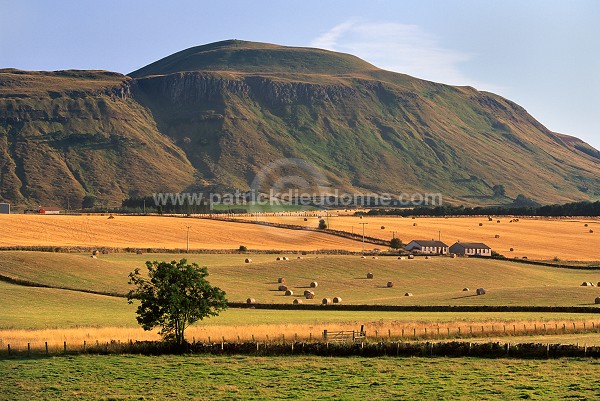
(314, 284)
(591, 231)
(414, 224)
(481, 291)
(278, 258)
(497, 221)
(375, 257)
(310, 295)
(305, 219)
(597, 300)
(453, 255)
(95, 252)
(598, 283)
(281, 280)
(497, 236)
(297, 301)
(411, 256)
(307, 292)
(299, 257)
(289, 293)
(282, 288)
(383, 227)
(587, 284)
(466, 289)
(427, 257)
(248, 260)
(408, 294)
(512, 249)
(250, 301)
(480, 224)
(139, 252)
(286, 258)
(337, 300)
(94, 257)
(363, 257)
(326, 301)
(390, 284)
(585, 225)
(369, 275)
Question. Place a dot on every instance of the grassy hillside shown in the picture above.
(213, 116)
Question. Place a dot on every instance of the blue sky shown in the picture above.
(545, 55)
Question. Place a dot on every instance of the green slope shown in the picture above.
(213, 116)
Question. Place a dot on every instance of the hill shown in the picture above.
(213, 116)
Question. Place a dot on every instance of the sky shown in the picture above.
(544, 55)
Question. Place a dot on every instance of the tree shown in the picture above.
(322, 224)
(174, 296)
(499, 191)
(88, 202)
(396, 243)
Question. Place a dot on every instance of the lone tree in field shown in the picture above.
(396, 243)
(174, 296)
(322, 224)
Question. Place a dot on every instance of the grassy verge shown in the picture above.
(258, 378)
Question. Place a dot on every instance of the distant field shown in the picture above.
(541, 239)
(301, 377)
(158, 232)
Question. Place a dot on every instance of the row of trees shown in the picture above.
(567, 209)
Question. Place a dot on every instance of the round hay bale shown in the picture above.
(369, 275)
(94, 257)
(305, 219)
(585, 225)
(250, 301)
(299, 257)
(591, 231)
(282, 288)
(390, 284)
(411, 256)
(139, 252)
(466, 289)
(414, 224)
(480, 224)
(374, 257)
(289, 293)
(95, 252)
(326, 301)
(310, 295)
(297, 301)
(337, 300)
(408, 294)
(383, 227)
(512, 249)
(278, 258)
(497, 236)
(286, 258)
(598, 283)
(281, 280)
(481, 291)
(587, 284)
(308, 292)
(363, 257)
(427, 257)
(497, 221)
(248, 260)
(314, 284)
(597, 300)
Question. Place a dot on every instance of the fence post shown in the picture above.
(84, 345)
(448, 331)
(253, 338)
(28, 349)
(402, 336)
(325, 335)
(46, 347)
(389, 333)
(514, 329)
(415, 332)
(8, 349)
(65, 347)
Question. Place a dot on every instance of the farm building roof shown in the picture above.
(429, 243)
(473, 245)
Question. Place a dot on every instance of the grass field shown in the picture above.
(305, 378)
(158, 232)
(436, 281)
(540, 239)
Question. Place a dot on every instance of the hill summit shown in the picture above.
(215, 116)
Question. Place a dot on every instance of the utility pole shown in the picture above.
(363, 245)
(188, 239)
(440, 235)
(394, 234)
(144, 206)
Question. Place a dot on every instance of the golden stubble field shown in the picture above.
(535, 238)
(158, 232)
